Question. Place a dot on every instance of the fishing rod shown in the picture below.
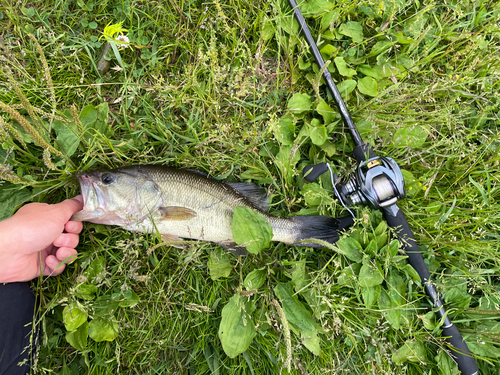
(378, 182)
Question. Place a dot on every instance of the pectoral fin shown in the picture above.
(176, 213)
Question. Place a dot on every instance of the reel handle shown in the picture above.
(312, 172)
(460, 352)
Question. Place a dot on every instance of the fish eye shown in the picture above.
(107, 178)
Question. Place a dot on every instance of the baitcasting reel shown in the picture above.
(377, 181)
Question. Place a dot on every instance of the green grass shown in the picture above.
(208, 86)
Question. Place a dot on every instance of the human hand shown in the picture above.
(39, 240)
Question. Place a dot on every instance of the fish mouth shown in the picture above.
(94, 204)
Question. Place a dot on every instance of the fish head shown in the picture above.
(117, 197)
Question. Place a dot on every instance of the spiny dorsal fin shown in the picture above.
(255, 194)
(176, 213)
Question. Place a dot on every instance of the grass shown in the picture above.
(208, 86)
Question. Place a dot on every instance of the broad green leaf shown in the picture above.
(101, 125)
(393, 248)
(315, 7)
(284, 130)
(295, 312)
(346, 87)
(412, 351)
(370, 295)
(314, 194)
(369, 71)
(311, 341)
(329, 148)
(236, 329)
(130, 299)
(412, 185)
(86, 291)
(446, 365)
(95, 272)
(352, 29)
(101, 329)
(267, 29)
(428, 320)
(368, 86)
(371, 248)
(413, 136)
(300, 277)
(78, 338)
(11, 195)
(351, 249)
(342, 67)
(327, 112)
(348, 276)
(328, 50)
(318, 133)
(303, 65)
(68, 138)
(255, 279)
(397, 287)
(286, 159)
(299, 104)
(330, 17)
(88, 115)
(73, 317)
(251, 229)
(381, 228)
(370, 275)
(380, 47)
(219, 264)
(393, 312)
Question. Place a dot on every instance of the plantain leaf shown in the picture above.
(350, 248)
(236, 329)
(413, 136)
(78, 338)
(284, 130)
(342, 67)
(219, 264)
(251, 229)
(73, 317)
(368, 86)
(370, 275)
(11, 195)
(255, 279)
(299, 104)
(101, 329)
(352, 29)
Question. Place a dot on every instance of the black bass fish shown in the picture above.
(181, 203)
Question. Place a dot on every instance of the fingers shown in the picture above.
(70, 206)
(67, 240)
(55, 264)
(73, 227)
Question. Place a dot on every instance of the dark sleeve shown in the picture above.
(17, 336)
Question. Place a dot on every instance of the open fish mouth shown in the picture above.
(94, 204)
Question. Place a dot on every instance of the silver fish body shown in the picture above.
(179, 203)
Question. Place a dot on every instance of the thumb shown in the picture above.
(70, 206)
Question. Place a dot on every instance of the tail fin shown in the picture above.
(320, 227)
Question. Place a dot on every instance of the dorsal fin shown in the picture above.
(255, 194)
